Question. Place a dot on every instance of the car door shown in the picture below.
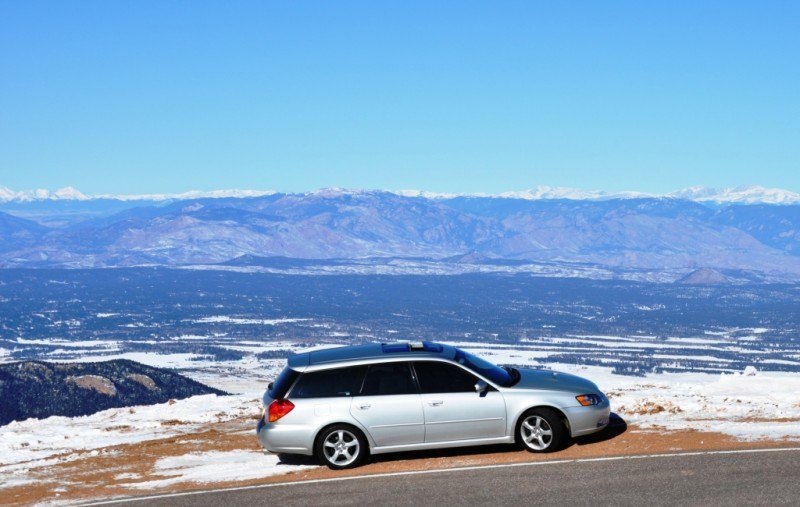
(453, 409)
(389, 405)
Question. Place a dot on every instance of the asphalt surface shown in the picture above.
(735, 478)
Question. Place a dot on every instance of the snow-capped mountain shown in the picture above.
(537, 193)
(752, 194)
(73, 194)
(41, 194)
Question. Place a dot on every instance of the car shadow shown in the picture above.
(616, 427)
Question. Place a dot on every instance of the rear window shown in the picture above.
(282, 384)
(330, 383)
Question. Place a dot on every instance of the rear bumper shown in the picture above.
(286, 438)
(587, 420)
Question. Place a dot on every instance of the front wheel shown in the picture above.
(541, 430)
(341, 446)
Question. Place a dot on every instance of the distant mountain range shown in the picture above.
(748, 194)
(745, 234)
(40, 389)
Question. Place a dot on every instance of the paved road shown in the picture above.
(736, 478)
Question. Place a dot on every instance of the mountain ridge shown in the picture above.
(616, 235)
(746, 194)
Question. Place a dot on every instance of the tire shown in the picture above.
(341, 446)
(541, 430)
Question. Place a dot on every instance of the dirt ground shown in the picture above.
(105, 474)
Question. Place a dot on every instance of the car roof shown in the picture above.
(372, 351)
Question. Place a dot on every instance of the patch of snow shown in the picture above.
(176, 361)
(55, 342)
(646, 308)
(750, 371)
(216, 466)
(190, 337)
(780, 361)
(237, 320)
(127, 475)
(699, 341)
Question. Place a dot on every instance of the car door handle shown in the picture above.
(364, 406)
(435, 403)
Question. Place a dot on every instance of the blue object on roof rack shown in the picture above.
(411, 346)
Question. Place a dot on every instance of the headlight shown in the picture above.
(589, 399)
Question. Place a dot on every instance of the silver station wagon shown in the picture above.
(343, 404)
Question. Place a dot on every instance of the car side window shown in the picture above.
(439, 377)
(388, 379)
(329, 383)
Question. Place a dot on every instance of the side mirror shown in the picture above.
(481, 387)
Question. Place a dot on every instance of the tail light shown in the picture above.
(278, 409)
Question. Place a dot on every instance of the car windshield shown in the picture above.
(485, 368)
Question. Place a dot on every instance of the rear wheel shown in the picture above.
(341, 446)
(541, 430)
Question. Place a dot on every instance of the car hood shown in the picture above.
(554, 380)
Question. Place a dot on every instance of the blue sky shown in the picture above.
(457, 96)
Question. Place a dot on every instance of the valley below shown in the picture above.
(686, 367)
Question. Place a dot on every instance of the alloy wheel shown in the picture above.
(536, 432)
(341, 447)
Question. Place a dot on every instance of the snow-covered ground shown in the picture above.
(748, 405)
(35, 443)
(215, 466)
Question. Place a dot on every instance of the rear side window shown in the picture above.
(282, 384)
(330, 383)
(438, 377)
(389, 378)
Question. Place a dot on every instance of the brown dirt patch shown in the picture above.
(757, 420)
(649, 408)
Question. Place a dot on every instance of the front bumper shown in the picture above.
(587, 420)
